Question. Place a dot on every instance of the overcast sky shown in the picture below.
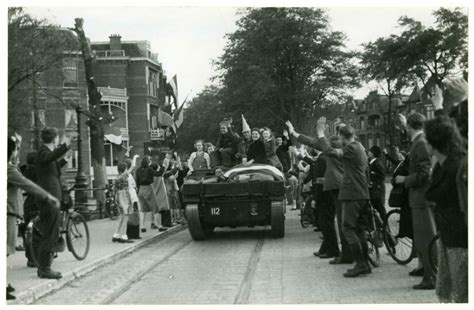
(188, 39)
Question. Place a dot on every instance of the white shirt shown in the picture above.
(132, 185)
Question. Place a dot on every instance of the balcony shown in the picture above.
(157, 134)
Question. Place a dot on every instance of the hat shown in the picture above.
(376, 151)
(245, 126)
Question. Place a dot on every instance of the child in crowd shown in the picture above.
(122, 196)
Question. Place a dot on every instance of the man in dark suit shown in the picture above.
(48, 171)
(417, 183)
(377, 181)
(354, 192)
(332, 181)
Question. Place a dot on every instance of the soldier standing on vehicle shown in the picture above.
(226, 146)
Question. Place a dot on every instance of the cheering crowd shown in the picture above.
(336, 176)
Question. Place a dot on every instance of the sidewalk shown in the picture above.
(102, 251)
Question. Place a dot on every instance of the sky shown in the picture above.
(187, 39)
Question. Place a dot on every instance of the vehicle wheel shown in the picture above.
(194, 223)
(278, 219)
(32, 239)
(400, 249)
(433, 252)
(77, 236)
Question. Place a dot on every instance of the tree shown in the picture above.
(34, 46)
(383, 61)
(283, 63)
(201, 119)
(439, 51)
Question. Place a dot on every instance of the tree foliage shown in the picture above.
(201, 119)
(34, 46)
(439, 51)
(283, 63)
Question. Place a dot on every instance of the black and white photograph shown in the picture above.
(235, 153)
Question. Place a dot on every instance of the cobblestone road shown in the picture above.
(243, 267)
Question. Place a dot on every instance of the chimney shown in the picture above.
(115, 42)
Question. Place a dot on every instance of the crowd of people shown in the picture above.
(335, 176)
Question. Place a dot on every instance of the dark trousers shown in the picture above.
(50, 221)
(346, 254)
(225, 157)
(355, 218)
(377, 198)
(423, 233)
(327, 212)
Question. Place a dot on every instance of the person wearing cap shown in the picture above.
(226, 146)
(417, 183)
(377, 181)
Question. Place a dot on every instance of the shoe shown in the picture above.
(325, 256)
(143, 230)
(10, 296)
(162, 229)
(115, 239)
(338, 261)
(418, 272)
(31, 264)
(10, 289)
(49, 274)
(19, 248)
(125, 241)
(424, 286)
(153, 226)
(359, 269)
(317, 254)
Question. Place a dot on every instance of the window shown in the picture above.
(429, 111)
(153, 116)
(113, 152)
(370, 140)
(70, 121)
(362, 123)
(41, 115)
(72, 164)
(70, 74)
(152, 83)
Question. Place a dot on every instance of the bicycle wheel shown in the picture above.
(433, 252)
(77, 236)
(111, 209)
(399, 248)
(32, 239)
(373, 252)
(304, 219)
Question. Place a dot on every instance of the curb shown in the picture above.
(33, 294)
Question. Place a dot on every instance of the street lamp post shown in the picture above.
(81, 179)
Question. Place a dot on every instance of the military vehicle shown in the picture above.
(244, 196)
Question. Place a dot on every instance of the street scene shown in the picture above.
(237, 155)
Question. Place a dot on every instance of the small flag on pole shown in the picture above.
(173, 84)
(179, 116)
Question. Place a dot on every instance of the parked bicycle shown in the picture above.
(110, 207)
(374, 234)
(73, 226)
(307, 216)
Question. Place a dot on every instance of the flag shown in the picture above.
(173, 84)
(113, 134)
(179, 116)
(165, 119)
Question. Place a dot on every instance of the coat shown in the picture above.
(257, 152)
(48, 169)
(334, 167)
(270, 149)
(444, 192)
(377, 178)
(417, 180)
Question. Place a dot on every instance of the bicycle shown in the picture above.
(401, 247)
(433, 247)
(374, 236)
(109, 206)
(73, 225)
(307, 213)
